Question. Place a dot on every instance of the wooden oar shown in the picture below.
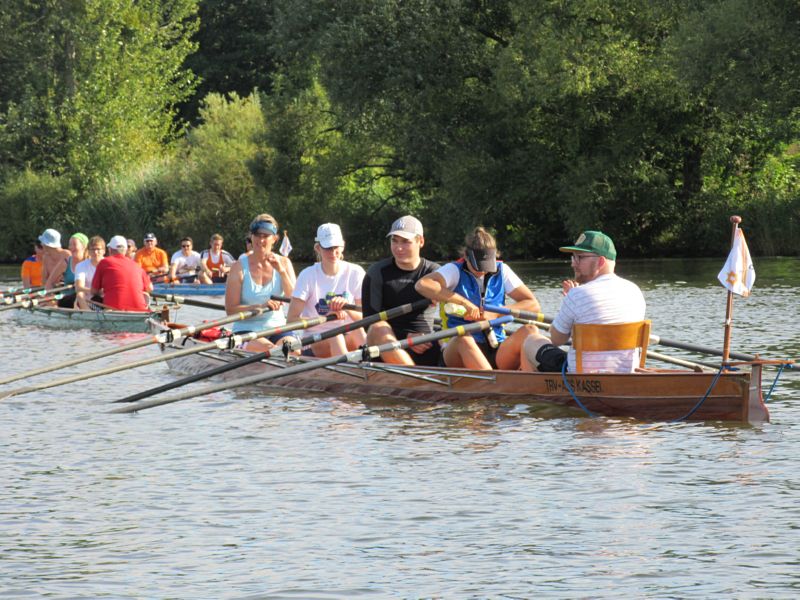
(162, 338)
(356, 356)
(221, 344)
(289, 345)
(654, 339)
(28, 302)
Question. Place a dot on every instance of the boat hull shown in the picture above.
(190, 289)
(658, 395)
(106, 320)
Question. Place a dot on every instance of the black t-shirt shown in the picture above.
(386, 286)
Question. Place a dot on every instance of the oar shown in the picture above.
(187, 301)
(654, 339)
(37, 294)
(18, 291)
(356, 356)
(221, 344)
(162, 338)
(650, 354)
(28, 302)
(200, 303)
(289, 345)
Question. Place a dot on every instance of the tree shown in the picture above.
(93, 84)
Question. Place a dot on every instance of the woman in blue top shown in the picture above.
(474, 281)
(257, 276)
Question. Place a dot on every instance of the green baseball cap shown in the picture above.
(595, 242)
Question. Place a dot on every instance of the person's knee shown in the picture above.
(380, 333)
(531, 347)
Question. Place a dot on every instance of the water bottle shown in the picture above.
(454, 309)
(491, 338)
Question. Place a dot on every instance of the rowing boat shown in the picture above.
(190, 289)
(95, 320)
(648, 395)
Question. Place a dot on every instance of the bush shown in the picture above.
(31, 202)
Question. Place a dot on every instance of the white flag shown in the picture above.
(286, 245)
(738, 274)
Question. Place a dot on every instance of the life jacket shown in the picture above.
(469, 287)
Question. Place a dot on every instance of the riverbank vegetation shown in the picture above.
(653, 120)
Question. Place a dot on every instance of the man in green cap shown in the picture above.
(596, 295)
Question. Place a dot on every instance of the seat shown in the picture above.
(611, 336)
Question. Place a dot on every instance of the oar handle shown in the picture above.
(345, 307)
(517, 312)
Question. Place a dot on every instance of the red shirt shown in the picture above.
(123, 283)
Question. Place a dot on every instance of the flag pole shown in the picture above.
(726, 345)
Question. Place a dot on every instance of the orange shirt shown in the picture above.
(151, 261)
(32, 269)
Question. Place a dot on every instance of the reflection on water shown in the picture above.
(251, 495)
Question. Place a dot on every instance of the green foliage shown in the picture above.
(210, 188)
(94, 82)
(31, 202)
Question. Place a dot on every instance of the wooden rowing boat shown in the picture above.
(95, 320)
(649, 395)
(190, 289)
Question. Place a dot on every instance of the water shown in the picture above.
(244, 495)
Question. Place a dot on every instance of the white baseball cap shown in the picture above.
(408, 227)
(118, 243)
(329, 235)
(50, 238)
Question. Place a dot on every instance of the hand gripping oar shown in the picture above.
(289, 345)
(355, 356)
(200, 303)
(16, 298)
(221, 344)
(28, 302)
(164, 337)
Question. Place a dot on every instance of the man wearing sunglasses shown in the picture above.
(596, 295)
(186, 265)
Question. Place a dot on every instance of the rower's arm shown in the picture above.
(524, 299)
(557, 337)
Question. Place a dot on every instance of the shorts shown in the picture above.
(432, 357)
(489, 352)
(67, 301)
(551, 359)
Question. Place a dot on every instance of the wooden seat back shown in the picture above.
(610, 336)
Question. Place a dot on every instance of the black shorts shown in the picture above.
(551, 358)
(67, 301)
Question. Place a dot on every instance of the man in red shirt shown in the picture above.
(124, 283)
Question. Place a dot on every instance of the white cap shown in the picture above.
(51, 238)
(118, 243)
(408, 227)
(329, 235)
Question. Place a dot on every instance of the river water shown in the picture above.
(250, 495)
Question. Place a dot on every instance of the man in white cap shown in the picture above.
(122, 283)
(389, 283)
(53, 255)
(152, 259)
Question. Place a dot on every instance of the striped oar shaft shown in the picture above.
(37, 293)
(31, 302)
(165, 337)
(290, 344)
(355, 356)
(18, 291)
(221, 344)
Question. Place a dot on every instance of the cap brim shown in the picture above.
(573, 249)
(402, 233)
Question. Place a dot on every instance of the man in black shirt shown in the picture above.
(389, 283)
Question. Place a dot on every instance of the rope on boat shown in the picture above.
(705, 396)
(775, 382)
(572, 392)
